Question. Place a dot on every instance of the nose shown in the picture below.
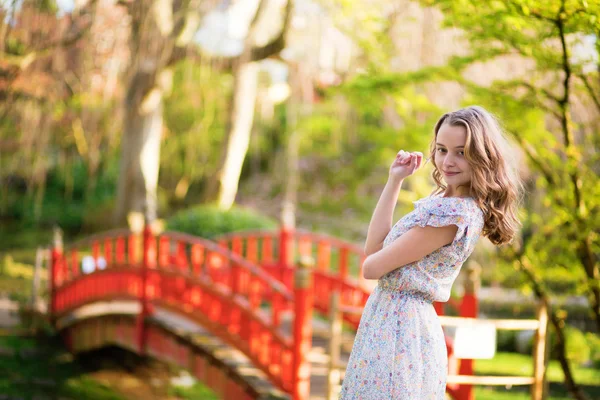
(449, 160)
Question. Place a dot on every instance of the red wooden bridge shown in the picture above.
(199, 303)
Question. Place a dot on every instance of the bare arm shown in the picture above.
(403, 166)
(381, 221)
(408, 248)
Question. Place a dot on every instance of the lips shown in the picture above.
(447, 173)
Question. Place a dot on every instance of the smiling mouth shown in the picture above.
(451, 173)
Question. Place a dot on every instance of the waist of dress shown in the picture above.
(414, 294)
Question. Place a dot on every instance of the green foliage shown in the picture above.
(519, 364)
(573, 312)
(15, 47)
(196, 391)
(511, 364)
(367, 26)
(562, 209)
(18, 373)
(578, 348)
(64, 173)
(47, 6)
(346, 145)
(209, 221)
(593, 340)
(195, 115)
(67, 201)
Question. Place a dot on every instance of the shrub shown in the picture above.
(593, 340)
(578, 347)
(581, 348)
(209, 221)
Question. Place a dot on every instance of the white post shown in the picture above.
(539, 388)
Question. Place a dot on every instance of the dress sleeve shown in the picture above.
(442, 211)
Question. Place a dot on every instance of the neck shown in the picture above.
(460, 191)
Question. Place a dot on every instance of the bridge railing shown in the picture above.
(336, 263)
(191, 256)
(230, 296)
(113, 257)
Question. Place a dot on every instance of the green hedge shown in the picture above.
(209, 221)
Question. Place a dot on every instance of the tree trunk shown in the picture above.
(290, 178)
(558, 325)
(140, 154)
(586, 254)
(157, 29)
(223, 189)
(238, 136)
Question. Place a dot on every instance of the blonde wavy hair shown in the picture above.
(495, 182)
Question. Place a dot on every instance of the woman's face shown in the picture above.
(450, 158)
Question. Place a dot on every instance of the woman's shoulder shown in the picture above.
(438, 204)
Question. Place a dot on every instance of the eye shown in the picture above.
(462, 153)
(441, 150)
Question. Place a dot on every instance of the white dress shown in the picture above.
(399, 351)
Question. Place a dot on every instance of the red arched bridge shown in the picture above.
(254, 292)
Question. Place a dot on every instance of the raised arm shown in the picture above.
(403, 166)
(381, 221)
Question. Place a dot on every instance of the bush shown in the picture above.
(578, 349)
(209, 221)
(594, 343)
(581, 348)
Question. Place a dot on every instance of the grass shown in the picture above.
(197, 391)
(522, 393)
(16, 275)
(42, 370)
(519, 364)
(512, 364)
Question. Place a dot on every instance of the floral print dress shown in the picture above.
(399, 351)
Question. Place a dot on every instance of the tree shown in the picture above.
(551, 107)
(160, 32)
(223, 188)
(36, 46)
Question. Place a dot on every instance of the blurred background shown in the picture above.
(208, 116)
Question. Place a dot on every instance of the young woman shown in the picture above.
(399, 351)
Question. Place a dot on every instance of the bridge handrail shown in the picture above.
(111, 234)
(297, 234)
(331, 239)
(245, 264)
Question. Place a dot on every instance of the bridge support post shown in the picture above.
(469, 308)
(148, 261)
(303, 298)
(286, 254)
